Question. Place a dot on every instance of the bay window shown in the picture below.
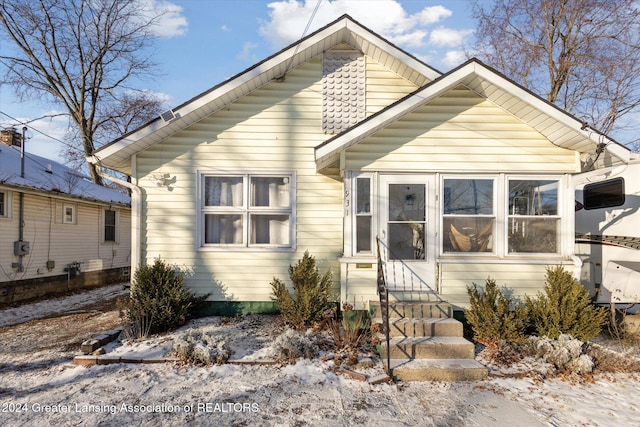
(247, 210)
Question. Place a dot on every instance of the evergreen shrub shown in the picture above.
(311, 293)
(159, 299)
(493, 316)
(564, 308)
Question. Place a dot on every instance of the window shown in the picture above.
(364, 215)
(468, 215)
(5, 204)
(69, 214)
(533, 218)
(247, 210)
(605, 194)
(110, 225)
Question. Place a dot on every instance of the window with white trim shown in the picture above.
(110, 225)
(468, 215)
(247, 210)
(363, 215)
(68, 214)
(4, 204)
(533, 217)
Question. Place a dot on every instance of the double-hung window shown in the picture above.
(247, 210)
(110, 222)
(533, 217)
(468, 215)
(4, 204)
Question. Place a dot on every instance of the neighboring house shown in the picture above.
(58, 231)
(341, 138)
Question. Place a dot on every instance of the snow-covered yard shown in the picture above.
(43, 387)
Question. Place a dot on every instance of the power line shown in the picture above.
(20, 122)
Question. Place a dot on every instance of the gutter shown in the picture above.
(136, 208)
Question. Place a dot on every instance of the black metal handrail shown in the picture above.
(383, 293)
(400, 277)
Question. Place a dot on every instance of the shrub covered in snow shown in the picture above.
(196, 346)
(292, 345)
(566, 354)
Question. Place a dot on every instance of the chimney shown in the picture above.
(10, 137)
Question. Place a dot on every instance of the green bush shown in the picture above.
(493, 317)
(564, 308)
(312, 293)
(159, 299)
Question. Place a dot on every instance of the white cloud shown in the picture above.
(171, 21)
(247, 51)
(448, 36)
(225, 28)
(431, 15)
(453, 58)
(288, 19)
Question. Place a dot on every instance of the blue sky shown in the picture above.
(203, 42)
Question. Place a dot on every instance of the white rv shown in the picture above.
(607, 226)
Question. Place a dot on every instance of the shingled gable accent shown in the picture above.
(117, 154)
(560, 127)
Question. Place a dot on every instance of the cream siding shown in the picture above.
(464, 134)
(518, 278)
(276, 128)
(50, 239)
(460, 131)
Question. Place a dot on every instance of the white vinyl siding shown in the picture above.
(276, 128)
(460, 131)
(50, 239)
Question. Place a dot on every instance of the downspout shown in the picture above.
(21, 207)
(136, 208)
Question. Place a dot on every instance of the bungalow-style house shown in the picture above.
(58, 231)
(343, 138)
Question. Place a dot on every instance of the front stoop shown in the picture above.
(427, 344)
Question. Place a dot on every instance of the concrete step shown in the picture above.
(418, 310)
(433, 327)
(428, 348)
(437, 370)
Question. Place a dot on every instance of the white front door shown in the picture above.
(407, 234)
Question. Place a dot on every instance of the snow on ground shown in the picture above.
(305, 393)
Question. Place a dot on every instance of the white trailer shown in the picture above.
(607, 227)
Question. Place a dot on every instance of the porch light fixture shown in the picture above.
(409, 200)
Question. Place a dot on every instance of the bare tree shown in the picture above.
(583, 55)
(82, 54)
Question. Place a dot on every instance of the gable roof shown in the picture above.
(116, 155)
(560, 127)
(44, 175)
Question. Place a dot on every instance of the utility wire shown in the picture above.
(20, 122)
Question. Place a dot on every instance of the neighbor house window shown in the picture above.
(533, 217)
(110, 225)
(68, 214)
(468, 215)
(605, 194)
(5, 204)
(247, 210)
